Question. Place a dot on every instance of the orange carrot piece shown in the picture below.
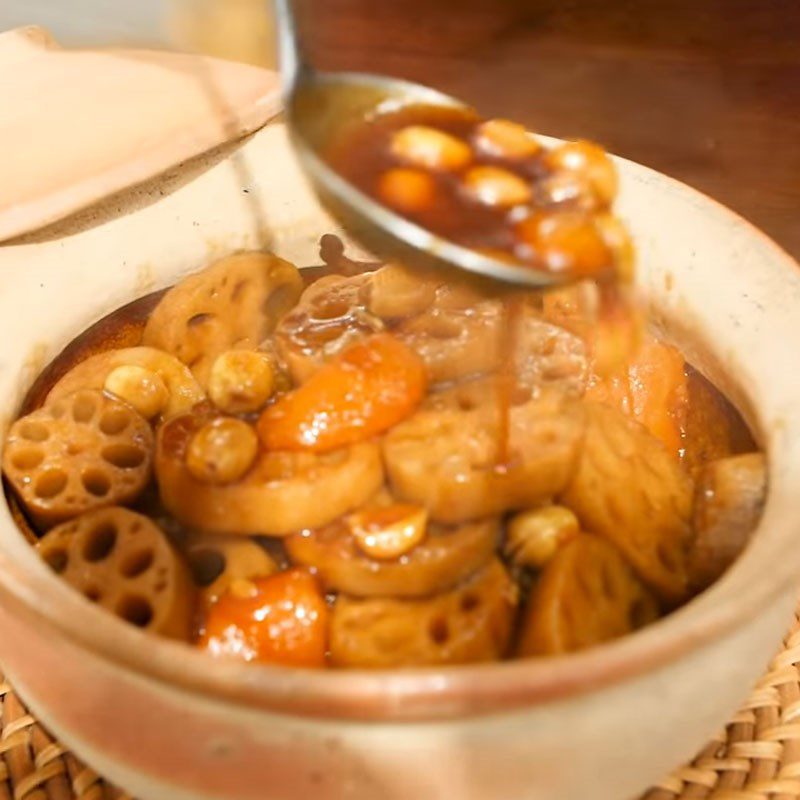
(659, 393)
(282, 619)
(366, 390)
(652, 388)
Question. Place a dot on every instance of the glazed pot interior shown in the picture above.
(726, 294)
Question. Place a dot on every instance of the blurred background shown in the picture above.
(707, 91)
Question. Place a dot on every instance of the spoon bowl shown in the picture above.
(319, 108)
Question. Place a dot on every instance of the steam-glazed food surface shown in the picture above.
(373, 466)
(377, 468)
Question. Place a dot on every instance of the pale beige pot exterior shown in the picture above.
(166, 723)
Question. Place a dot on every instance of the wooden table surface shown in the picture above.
(707, 91)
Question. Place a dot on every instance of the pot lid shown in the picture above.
(79, 125)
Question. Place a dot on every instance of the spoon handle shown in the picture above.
(291, 59)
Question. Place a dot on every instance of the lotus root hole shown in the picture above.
(57, 559)
(123, 456)
(469, 602)
(199, 319)
(237, 290)
(207, 565)
(136, 610)
(332, 308)
(57, 411)
(466, 403)
(34, 431)
(137, 563)
(83, 408)
(92, 593)
(549, 438)
(27, 458)
(96, 482)
(100, 541)
(439, 630)
(50, 483)
(640, 613)
(114, 421)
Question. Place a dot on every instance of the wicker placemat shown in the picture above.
(756, 757)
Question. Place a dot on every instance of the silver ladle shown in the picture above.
(318, 106)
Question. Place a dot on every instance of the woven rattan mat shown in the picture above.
(756, 757)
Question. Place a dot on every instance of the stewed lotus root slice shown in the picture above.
(217, 562)
(446, 556)
(447, 457)
(461, 333)
(728, 502)
(123, 562)
(155, 370)
(81, 452)
(330, 316)
(587, 594)
(471, 623)
(234, 303)
(455, 330)
(629, 489)
(281, 493)
(481, 394)
(464, 333)
(547, 356)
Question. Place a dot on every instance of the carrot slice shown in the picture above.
(651, 388)
(367, 389)
(659, 392)
(630, 369)
(281, 619)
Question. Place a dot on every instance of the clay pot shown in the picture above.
(164, 721)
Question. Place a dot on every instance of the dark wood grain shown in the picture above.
(705, 90)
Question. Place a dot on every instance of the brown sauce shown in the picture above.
(363, 156)
(506, 378)
(498, 201)
(120, 328)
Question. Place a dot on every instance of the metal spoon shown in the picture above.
(318, 106)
